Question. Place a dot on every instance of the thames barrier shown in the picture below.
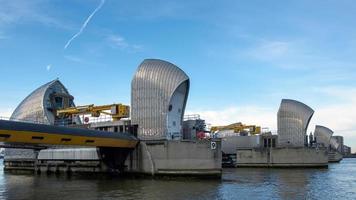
(47, 133)
(157, 139)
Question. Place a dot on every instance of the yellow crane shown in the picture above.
(116, 111)
(238, 127)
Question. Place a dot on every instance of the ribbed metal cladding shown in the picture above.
(323, 135)
(34, 107)
(292, 120)
(152, 88)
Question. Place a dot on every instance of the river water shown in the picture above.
(336, 182)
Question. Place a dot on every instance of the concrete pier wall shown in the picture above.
(334, 156)
(61, 166)
(69, 154)
(59, 160)
(231, 143)
(176, 158)
(161, 157)
(282, 157)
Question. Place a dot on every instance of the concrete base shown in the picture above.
(179, 158)
(153, 158)
(59, 161)
(70, 166)
(334, 156)
(350, 156)
(282, 157)
(57, 166)
(19, 164)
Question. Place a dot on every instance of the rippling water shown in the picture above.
(336, 182)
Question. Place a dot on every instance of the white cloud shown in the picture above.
(117, 41)
(253, 115)
(48, 67)
(339, 116)
(73, 58)
(19, 11)
(270, 50)
(81, 61)
(340, 92)
(283, 54)
(297, 54)
(5, 113)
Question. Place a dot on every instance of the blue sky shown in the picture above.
(242, 57)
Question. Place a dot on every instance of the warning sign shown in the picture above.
(213, 145)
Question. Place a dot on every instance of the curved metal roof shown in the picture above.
(32, 108)
(293, 119)
(323, 135)
(152, 88)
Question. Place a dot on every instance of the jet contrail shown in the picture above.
(85, 24)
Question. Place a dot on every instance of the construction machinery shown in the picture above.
(238, 128)
(116, 111)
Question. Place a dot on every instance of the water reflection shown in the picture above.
(293, 183)
(337, 182)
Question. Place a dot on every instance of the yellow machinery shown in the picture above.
(20, 133)
(238, 128)
(116, 111)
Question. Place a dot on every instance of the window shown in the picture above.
(265, 142)
(121, 129)
(170, 107)
(174, 123)
(58, 102)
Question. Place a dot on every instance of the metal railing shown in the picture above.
(4, 118)
(191, 117)
(101, 118)
(82, 120)
(23, 120)
(65, 122)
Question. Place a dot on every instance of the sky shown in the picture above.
(242, 57)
